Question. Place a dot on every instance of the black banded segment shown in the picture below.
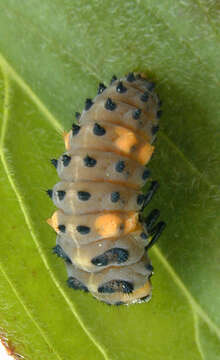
(75, 129)
(83, 195)
(75, 284)
(101, 88)
(60, 253)
(112, 256)
(88, 104)
(83, 229)
(98, 130)
(110, 105)
(120, 88)
(61, 194)
(136, 114)
(89, 161)
(66, 160)
(119, 167)
(113, 286)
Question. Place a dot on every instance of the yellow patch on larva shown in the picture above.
(53, 221)
(145, 152)
(66, 137)
(125, 140)
(113, 224)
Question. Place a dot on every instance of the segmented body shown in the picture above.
(101, 234)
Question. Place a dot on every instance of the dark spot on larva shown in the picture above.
(131, 77)
(75, 129)
(143, 235)
(146, 174)
(112, 256)
(74, 283)
(139, 77)
(115, 196)
(159, 114)
(110, 105)
(83, 195)
(140, 199)
(88, 104)
(49, 193)
(120, 166)
(136, 114)
(150, 85)
(60, 253)
(62, 228)
(83, 230)
(154, 129)
(118, 303)
(61, 194)
(101, 88)
(145, 96)
(116, 286)
(77, 115)
(66, 160)
(114, 78)
(149, 267)
(99, 130)
(89, 161)
(120, 88)
(54, 162)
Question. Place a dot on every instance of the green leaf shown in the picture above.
(52, 56)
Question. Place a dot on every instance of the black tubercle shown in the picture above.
(151, 219)
(74, 283)
(149, 267)
(99, 130)
(61, 194)
(146, 174)
(110, 105)
(120, 88)
(62, 228)
(83, 230)
(131, 77)
(153, 188)
(101, 88)
(150, 85)
(112, 256)
(88, 104)
(136, 114)
(144, 236)
(89, 161)
(115, 196)
(75, 129)
(154, 129)
(77, 115)
(49, 193)
(120, 166)
(114, 78)
(159, 114)
(66, 160)
(116, 286)
(83, 195)
(156, 232)
(54, 162)
(145, 96)
(60, 253)
(140, 199)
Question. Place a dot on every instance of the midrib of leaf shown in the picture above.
(195, 306)
(28, 220)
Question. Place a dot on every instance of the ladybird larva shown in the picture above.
(102, 233)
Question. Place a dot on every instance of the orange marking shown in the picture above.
(66, 137)
(113, 224)
(126, 139)
(144, 154)
(53, 221)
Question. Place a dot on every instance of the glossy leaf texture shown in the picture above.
(52, 56)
